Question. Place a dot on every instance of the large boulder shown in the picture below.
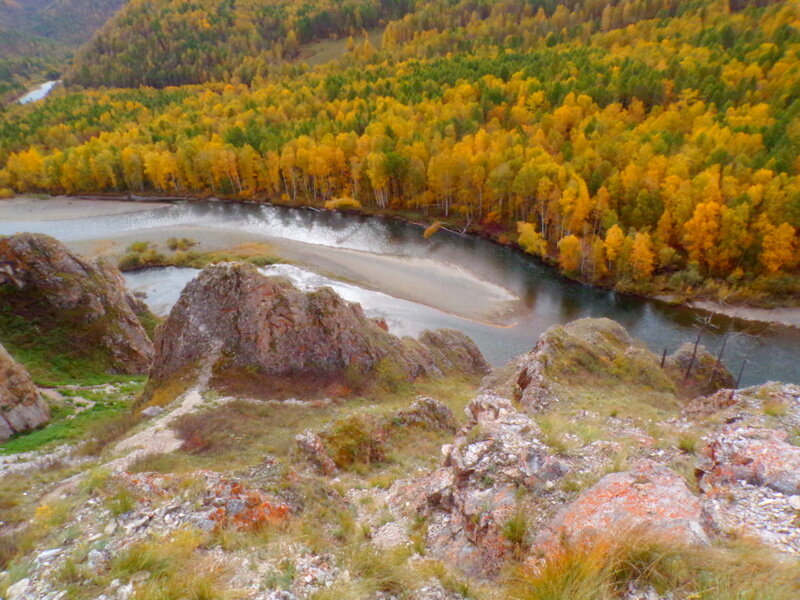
(650, 500)
(470, 500)
(600, 354)
(593, 352)
(247, 326)
(21, 406)
(81, 306)
(757, 456)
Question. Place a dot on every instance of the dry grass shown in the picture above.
(604, 569)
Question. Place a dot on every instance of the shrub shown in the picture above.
(353, 441)
(343, 204)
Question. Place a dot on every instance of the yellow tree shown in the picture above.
(701, 232)
(569, 253)
(779, 248)
(614, 239)
(530, 239)
(642, 257)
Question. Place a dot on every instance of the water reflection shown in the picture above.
(548, 297)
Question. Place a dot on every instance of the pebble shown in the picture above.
(18, 590)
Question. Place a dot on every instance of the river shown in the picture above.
(499, 297)
(39, 92)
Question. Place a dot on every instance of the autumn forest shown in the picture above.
(646, 145)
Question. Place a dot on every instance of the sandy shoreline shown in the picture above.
(786, 316)
(58, 208)
(449, 288)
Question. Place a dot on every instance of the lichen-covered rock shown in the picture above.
(258, 326)
(771, 404)
(472, 497)
(649, 500)
(706, 375)
(754, 455)
(595, 351)
(311, 445)
(21, 406)
(427, 413)
(84, 303)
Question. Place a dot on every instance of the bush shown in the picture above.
(182, 244)
(343, 204)
(353, 441)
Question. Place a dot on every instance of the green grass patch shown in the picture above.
(62, 428)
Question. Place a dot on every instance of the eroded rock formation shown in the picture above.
(251, 326)
(79, 304)
(469, 501)
(21, 406)
(650, 500)
(599, 353)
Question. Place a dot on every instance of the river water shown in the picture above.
(39, 92)
(544, 298)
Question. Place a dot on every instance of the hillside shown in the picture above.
(172, 42)
(37, 37)
(647, 146)
(380, 467)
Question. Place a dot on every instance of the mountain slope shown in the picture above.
(173, 42)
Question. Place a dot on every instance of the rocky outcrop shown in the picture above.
(263, 327)
(756, 456)
(599, 353)
(427, 413)
(313, 448)
(650, 500)
(21, 406)
(697, 371)
(81, 305)
(474, 495)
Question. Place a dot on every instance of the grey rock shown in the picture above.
(19, 590)
(86, 300)
(152, 411)
(21, 406)
(259, 326)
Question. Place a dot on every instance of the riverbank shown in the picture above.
(446, 287)
(450, 289)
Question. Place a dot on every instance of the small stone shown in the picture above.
(794, 502)
(110, 528)
(48, 554)
(140, 576)
(19, 590)
(152, 411)
(125, 592)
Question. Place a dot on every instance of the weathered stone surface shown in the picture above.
(762, 405)
(312, 446)
(706, 375)
(649, 500)
(428, 413)
(595, 350)
(757, 456)
(21, 406)
(471, 498)
(268, 327)
(85, 301)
